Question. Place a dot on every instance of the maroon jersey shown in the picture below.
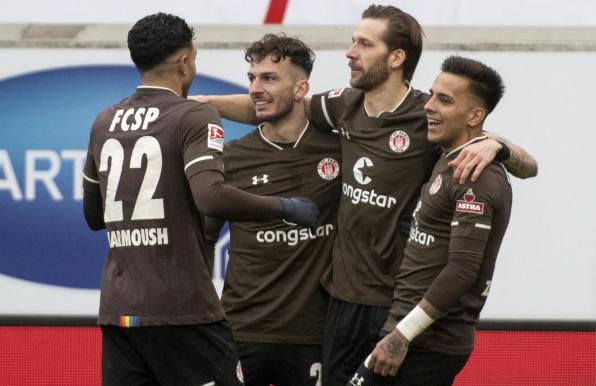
(141, 152)
(385, 161)
(272, 289)
(457, 228)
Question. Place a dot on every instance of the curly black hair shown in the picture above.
(279, 47)
(155, 37)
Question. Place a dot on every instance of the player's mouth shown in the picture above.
(261, 103)
(433, 123)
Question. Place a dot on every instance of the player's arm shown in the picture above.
(473, 159)
(236, 107)
(469, 237)
(213, 227)
(92, 201)
(201, 137)
(324, 108)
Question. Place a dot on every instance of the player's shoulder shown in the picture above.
(193, 107)
(247, 141)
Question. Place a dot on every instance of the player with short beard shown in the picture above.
(272, 293)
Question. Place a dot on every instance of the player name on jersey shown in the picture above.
(138, 237)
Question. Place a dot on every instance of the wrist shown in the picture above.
(414, 323)
(503, 154)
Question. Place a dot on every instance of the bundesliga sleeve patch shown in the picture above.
(468, 205)
(215, 139)
(335, 93)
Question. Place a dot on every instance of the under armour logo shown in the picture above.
(357, 381)
(264, 179)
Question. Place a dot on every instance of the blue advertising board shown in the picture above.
(45, 118)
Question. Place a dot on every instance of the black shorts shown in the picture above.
(420, 368)
(280, 364)
(170, 355)
(351, 332)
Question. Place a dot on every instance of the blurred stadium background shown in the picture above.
(63, 61)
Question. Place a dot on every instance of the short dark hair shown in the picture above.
(280, 47)
(485, 82)
(403, 32)
(155, 37)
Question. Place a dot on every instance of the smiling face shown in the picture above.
(453, 114)
(273, 88)
(368, 55)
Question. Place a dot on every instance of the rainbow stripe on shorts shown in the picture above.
(129, 321)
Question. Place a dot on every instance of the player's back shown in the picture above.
(156, 271)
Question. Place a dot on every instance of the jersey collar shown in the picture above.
(276, 145)
(157, 88)
(473, 140)
(393, 109)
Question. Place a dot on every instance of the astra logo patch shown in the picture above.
(216, 137)
(468, 204)
(399, 141)
(328, 168)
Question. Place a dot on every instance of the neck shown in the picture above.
(467, 136)
(288, 128)
(172, 84)
(386, 96)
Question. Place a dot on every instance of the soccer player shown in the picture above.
(153, 170)
(386, 158)
(272, 293)
(457, 229)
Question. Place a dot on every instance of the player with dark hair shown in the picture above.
(272, 293)
(451, 252)
(386, 158)
(153, 170)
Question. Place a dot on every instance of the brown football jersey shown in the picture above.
(467, 221)
(141, 152)
(272, 289)
(385, 161)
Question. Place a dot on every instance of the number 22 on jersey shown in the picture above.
(146, 207)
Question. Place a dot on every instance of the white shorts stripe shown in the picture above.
(455, 223)
(209, 384)
(90, 179)
(327, 118)
(482, 226)
(194, 161)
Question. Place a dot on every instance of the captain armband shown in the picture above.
(414, 323)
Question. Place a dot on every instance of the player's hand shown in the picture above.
(301, 211)
(474, 157)
(389, 354)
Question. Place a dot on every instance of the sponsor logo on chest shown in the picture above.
(468, 204)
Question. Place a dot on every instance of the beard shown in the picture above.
(285, 106)
(377, 73)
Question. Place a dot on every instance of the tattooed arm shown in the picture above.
(391, 351)
(472, 160)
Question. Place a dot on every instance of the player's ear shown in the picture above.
(476, 116)
(397, 58)
(301, 89)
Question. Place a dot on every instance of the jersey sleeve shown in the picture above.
(202, 139)
(474, 206)
(90, 173)
(326, 108)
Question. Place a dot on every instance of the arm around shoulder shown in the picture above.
(520, 163)
(235, 107)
